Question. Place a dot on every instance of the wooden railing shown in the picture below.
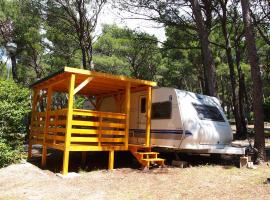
(55, 134)
(97, 129)
(37, 127)
(91, 130)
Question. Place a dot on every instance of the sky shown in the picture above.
(111, 15)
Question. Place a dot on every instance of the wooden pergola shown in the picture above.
(71, 129)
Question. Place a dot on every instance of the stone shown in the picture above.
(179, 163)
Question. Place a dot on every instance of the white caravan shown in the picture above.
(181, 120)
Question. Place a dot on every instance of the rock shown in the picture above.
(179, 163)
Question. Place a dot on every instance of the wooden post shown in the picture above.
(34, 109)
(68, 124)
(100, 119)
(127, 114)
(47, 121)
(111, 160)
(148, 116)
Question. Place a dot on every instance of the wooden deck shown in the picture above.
(72, 129)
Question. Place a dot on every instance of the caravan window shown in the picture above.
(162, 110)
(206, 112)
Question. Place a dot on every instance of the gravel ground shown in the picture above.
(26, 181)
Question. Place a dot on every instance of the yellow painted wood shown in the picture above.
(99, 130)
(99, 102)
(68, 124)
(39, 136)
(111, 160)
(95, 132)
(99, 112)
(56, 146)
(48, 109)
(59, 112)
(108, 76)
(55, 137)
(112, 132)
(148, 116)
(58, 122)
(84, 131)
(56, 130)
(39, 114)
(127, 109)
(84, 139)
(37, 141)
(93, 103)
(112, 140)
(37, 129)
(52, 82)
(96, 148)
(82, 85)
(97, 124)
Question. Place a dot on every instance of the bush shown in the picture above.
(14, 106)
(7, 154)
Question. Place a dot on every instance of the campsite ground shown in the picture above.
(206, 178)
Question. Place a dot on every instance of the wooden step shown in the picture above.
(149, 161)
(147, 153)
(153, 159)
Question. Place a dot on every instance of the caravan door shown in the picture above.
(142, 112)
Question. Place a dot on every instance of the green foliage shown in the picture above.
(124, 51)
(7, 154)
(14, 106)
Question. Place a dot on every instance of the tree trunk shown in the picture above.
(14, 68)
(208, 60)
(84, 58)
(240, 127)
(241, 91)
(256, 82)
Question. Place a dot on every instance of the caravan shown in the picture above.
(180, 120)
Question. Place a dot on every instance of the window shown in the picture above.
(143, 105)
(206, 112)
(162, 110)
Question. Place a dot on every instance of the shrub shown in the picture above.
(7, 154)
(14, 106)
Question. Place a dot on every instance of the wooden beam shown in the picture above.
(52, 82)
(92, 102)
(108, 76)
(47, 121)
(111, 160)
(34, 108)
(82, 85)
(127, 108)
(148, 116)
(68, 124)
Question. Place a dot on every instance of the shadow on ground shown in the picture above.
(124, 159)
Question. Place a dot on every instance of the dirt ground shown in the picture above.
(26, 181)
(206, 178)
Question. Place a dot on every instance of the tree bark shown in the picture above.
(84, 58)
(241, 131)
(208, 60)
(241, 91)
(256, 82)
